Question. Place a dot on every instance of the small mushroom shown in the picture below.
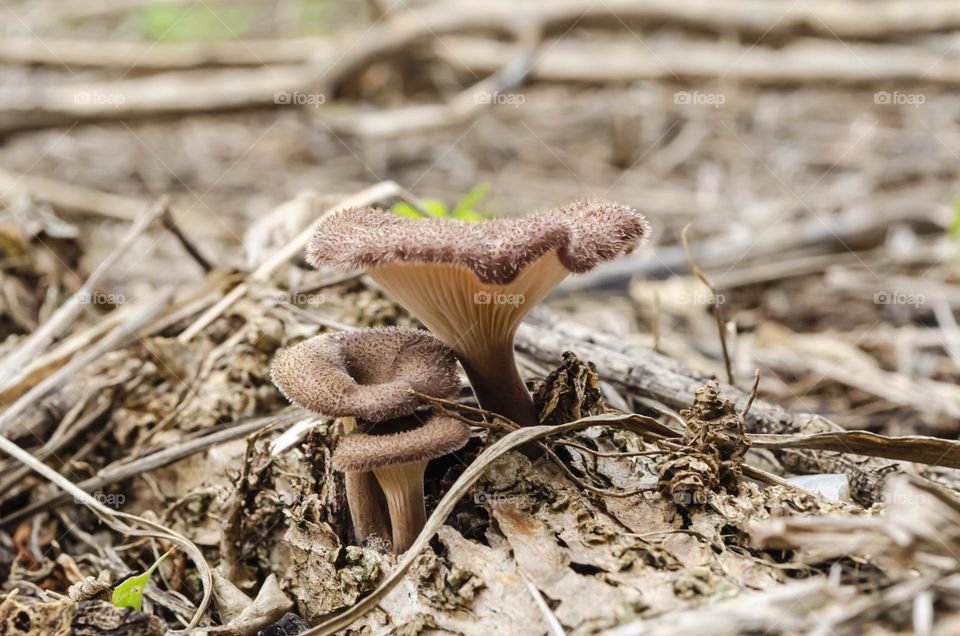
(472, 283)
(397, 453)
(366, 375)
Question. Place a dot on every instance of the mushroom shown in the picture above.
(366, 375)
(397, 453)
(472, 283)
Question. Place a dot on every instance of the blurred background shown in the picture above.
(812, 148)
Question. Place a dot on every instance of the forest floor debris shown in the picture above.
(822, 212)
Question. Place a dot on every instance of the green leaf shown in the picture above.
(407, 210)
(317, 16)
(954, 230)
(129, 593)
(171, 23)
(466, 209)
(468, 215)
(432, 207)
(436, 207)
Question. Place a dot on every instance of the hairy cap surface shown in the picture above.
(582, 234)
(438, 436)
(365, 373)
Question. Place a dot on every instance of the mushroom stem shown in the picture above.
(349, 424)
(402, 485)
(365, 499)
(367, 505)
(498, 385)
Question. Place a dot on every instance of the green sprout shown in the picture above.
(954, 230)
(465, 210)
(129, 592)
(172, 23)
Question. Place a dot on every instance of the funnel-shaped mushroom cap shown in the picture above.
(365, 373)
(439, 436)
(583, 234)
(472, 283)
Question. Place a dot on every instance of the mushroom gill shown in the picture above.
(472, 283)
(361, 376)
(397, 453)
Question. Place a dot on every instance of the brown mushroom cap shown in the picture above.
(438, 436)
(365, 373)
(582, 234)
(472, 283)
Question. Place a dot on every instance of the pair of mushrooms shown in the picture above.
(470, 284)
(366, 377)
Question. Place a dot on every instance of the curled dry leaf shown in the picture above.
(711, 451)
(269, 606)
(933, 451)
(27, 615)
(919, 528)
(91, 588)
(570, 392)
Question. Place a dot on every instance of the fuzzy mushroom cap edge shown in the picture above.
(438, 436)
(582, 233)
(365, 373)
